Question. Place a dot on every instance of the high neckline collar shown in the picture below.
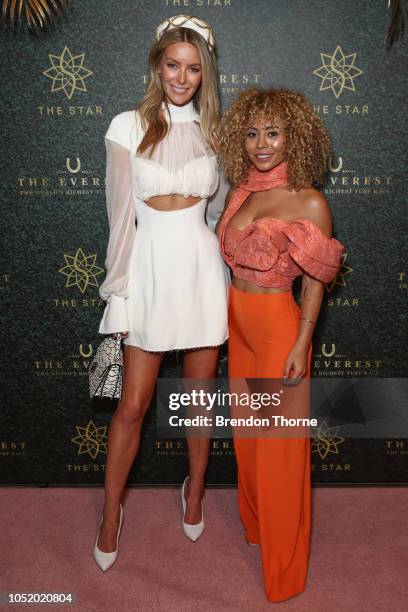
(179, 114)
(262, 181)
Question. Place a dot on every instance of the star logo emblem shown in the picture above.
(91, 439)
(325, 440)
(340, 278)
(337, 71)
(81, 270)
(67, 72)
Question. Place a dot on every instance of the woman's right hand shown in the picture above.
(295, 366)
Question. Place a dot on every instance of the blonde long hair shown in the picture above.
(205, 100)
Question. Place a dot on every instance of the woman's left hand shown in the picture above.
(295, 366)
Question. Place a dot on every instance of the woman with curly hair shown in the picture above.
(276, 226)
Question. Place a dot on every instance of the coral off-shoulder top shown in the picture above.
(270, 252)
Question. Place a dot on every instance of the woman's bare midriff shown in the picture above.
(172, 202)
(248, 287)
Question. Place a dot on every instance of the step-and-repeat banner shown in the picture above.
(60, 89)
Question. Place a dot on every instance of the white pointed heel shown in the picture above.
(106, 559)
(193, 532)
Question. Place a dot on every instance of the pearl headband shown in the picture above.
(185, 21)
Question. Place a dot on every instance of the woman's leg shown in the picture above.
(199, 363)
(140, 373)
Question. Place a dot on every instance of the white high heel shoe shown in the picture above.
(193, 532)
(106, 559)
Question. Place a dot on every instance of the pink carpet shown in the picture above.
(359, 554)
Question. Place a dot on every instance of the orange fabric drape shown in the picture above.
(274, 479)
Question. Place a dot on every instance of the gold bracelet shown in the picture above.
(308, 320)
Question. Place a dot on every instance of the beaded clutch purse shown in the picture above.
(106, 369)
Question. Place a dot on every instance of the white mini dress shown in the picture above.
(166, 282)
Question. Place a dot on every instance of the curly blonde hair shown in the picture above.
(307, 144)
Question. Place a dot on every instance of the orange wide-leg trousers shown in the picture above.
(274, 478)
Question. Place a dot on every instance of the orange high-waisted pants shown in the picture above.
(274, 479)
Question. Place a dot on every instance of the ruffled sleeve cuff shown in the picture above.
(115, 317)
(316, 254)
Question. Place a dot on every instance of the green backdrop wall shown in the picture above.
(60, 89)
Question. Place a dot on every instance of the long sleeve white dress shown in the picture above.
(166, 283)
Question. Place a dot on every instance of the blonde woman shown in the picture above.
(166, 287)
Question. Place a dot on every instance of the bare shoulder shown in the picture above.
(316, 209)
